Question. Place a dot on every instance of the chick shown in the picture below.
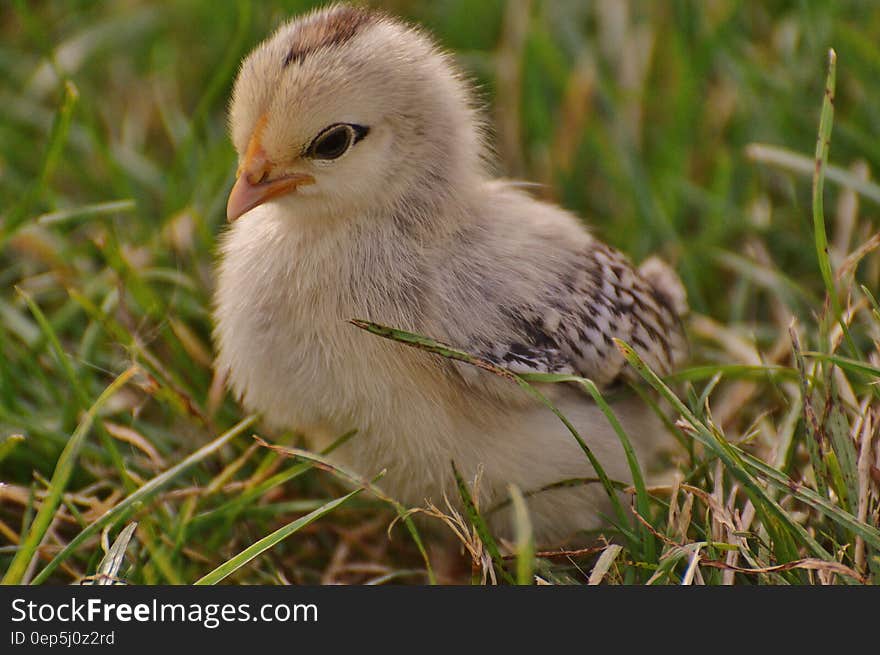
(363, 191)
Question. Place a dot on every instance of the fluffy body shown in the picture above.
(409, 230)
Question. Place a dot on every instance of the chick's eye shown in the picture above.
(334, 141)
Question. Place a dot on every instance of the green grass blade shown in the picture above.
(63, 470)
(869, 533)
(815, 437)
(734, 372)
(341, 472)
(9, 444)
(524, 538)
(647, 540)
(57, 138)
(798, 163)
(144, 492)
(845, 455)
(74, 214)
(848, 364)
(823, 141)
(255, 550)
(62, 358)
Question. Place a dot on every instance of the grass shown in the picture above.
(683, 128)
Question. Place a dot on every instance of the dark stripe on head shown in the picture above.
(324, 29)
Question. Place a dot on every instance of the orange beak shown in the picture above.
(254, 184)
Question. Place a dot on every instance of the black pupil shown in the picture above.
(333, 144)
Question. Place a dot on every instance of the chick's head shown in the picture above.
(346, 112)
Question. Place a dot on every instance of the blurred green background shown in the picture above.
(115, 165)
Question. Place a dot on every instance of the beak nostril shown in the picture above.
(258, 178)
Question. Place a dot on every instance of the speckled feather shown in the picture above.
(572, 329)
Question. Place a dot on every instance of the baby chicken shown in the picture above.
(363, 191)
